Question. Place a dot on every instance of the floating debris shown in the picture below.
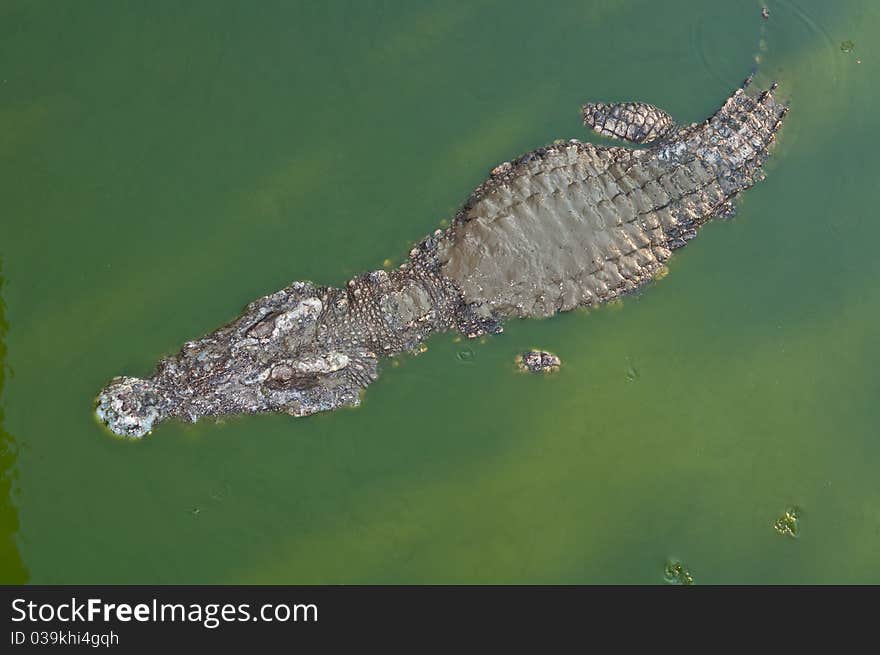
(765, 13)
(847, 46)
(632, 373)
(538, 361)
(219, 494)
(677, 573)
(787, 524)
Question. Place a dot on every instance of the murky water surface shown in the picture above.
(164, 164)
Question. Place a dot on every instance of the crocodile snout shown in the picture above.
(130, 406)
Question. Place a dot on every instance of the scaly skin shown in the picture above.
(568, 225)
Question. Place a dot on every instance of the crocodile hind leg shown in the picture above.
(636, 122)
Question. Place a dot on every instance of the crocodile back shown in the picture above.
(576, 224)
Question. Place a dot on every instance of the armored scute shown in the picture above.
(572, 224)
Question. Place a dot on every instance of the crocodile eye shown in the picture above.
(263, 328)
(286, 376)
(282, 322)
(329, 363)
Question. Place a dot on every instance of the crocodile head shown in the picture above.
(295, 352)
(289, 352)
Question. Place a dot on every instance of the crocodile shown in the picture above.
(567, 225)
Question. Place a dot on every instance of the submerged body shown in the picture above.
(569, 225)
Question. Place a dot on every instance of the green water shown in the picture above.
(163, 164)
